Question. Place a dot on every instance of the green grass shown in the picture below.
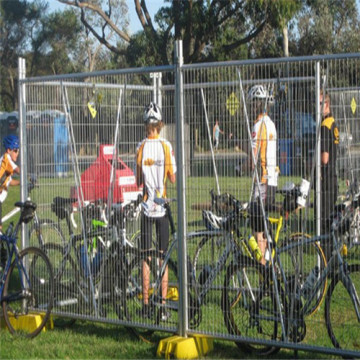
(88, 340)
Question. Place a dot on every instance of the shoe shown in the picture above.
(165, 315)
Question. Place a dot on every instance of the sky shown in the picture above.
(153, 6)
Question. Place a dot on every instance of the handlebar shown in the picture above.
(225, 204)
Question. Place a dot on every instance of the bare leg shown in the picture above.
(259, 236)
(164, 284)
(145, 282)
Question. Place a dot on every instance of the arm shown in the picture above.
(172, 178)
(139, 176)
(14, 182)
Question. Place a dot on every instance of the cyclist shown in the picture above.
(155, 164)
(329, 184)
(263, 144)
(8, 168)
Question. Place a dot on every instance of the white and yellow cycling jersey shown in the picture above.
(156, 161)
(264, 146)
(7, 168)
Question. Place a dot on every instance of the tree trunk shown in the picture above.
(285, 41)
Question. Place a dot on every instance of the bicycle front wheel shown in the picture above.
(249, 306)
(46, 231)
(208, 251)
(341, 319)
(28, 291)
(298, 261)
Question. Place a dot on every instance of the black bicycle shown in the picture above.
(272, 304)
(27, 286)
(82, 264)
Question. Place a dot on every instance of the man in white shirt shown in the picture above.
(264, 148)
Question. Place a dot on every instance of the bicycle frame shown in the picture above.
(13, 252)
(230, 248)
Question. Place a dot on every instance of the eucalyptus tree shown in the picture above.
(209, 28)
(325, 27)
(19, 19)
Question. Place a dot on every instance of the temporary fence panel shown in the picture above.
(74, 121)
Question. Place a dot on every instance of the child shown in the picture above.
(8, 168)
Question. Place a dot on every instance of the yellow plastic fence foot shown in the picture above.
(177, 347)
(29, 322)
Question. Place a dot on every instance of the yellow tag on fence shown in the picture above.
(92, 109)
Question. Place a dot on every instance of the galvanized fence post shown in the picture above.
(22, 127)
(181, 188)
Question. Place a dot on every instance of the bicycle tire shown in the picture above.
(134, 295)
(300, 260)
(39, 294)
(112, 280)
(49, 230)
(340, 316)
(135, 239)
(249, 306)
(66, 291)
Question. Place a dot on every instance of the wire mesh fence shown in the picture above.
(76, 125)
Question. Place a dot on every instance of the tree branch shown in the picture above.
(101, 39)
(246, 39)
(101, 13)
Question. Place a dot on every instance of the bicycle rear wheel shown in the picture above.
(28, 291)
(47, 231)
(299, 260)
(341, 320)
(249, 306)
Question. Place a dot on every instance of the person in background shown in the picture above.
(329, 186)
(8, 167)
(264, 148)
(155, 164)
(216, 134)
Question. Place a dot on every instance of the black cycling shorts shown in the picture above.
(256, 215)
(161, 230)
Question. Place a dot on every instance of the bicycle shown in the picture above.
(27, 286)
(234, 220)
(42, 230)
(264, 306)
(126, 298)
(165, 311)
(78, 269)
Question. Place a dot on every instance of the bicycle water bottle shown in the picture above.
(254, 246)
(310, 282)
(96, 262)
(83, 257)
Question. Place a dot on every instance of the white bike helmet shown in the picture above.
(258, 92)
(212, 221)
(152, 114)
